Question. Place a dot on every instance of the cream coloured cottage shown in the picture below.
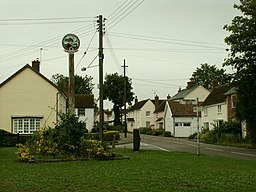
(28, 101)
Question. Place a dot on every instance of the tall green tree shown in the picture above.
(113, 90)
(242, 57)
(206, 74)
(83, 85)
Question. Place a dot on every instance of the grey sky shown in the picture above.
(162, 41)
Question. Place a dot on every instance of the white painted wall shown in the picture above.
(213, 116)
(88, 118)
(200, 92)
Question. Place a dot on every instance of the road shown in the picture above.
(184, 145)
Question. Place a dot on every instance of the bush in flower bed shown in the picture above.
(68, 140)
(109, 135)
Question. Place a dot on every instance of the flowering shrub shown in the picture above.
(23, 153)
(68, 140)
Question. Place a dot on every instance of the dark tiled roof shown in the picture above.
(138, 105)
(217, 95)
(181, 110)
(161, 107)
(181, 94)
(84, 101)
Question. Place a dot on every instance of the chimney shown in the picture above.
(156, 102)
(214, 84)
(190, 84)
(36, 65)
(168, 97)
(178, 90)
(136, 99)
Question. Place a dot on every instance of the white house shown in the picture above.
(215, 107)
(141, 114)
(180, 119)
(28, 101)
(84, 109)
(191, 93)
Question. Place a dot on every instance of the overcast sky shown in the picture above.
(162, 41)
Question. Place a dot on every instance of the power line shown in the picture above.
(111, 25)
(165, 40)
(86, 50)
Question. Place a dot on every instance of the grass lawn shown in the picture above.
(144, 171)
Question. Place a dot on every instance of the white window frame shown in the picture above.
(205, 111)
(233, 101)
(81, 111)
(147, 123)
(219, 109)
(148, 113)
(26, 125)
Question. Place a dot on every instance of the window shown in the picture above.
(233, 101)
(206, 125)
(26, 125)
(81, 111)
(178, 124)
(147, 113)
(205, 111)
(147, 123)
(219, 108)
(186, 124)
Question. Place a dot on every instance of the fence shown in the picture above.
(10, 140)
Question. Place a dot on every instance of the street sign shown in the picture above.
(197, 109)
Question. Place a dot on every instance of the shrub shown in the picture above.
(193, 136)
(145, 130)
(158, 132)
(167, 134)
(109, 135)
(23, 153)
(68, 140)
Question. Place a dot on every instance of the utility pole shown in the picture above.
(198, 133)
(101, 57)
(125, 121)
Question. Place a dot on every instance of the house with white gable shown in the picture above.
(84, 109)
(219, 106)
(180, 118)
(191, 93)
(28, 101)
(141, 114)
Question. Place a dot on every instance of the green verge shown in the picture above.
(144, 171)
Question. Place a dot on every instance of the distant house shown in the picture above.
(28, 101)
(215, 107)
(141, 114)
(180, 118)
(191, 93)
(84, 109)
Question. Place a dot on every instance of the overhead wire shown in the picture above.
(86, 50)
(126, 12)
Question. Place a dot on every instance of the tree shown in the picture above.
(113, 90)
(242, 57)
(83, 85)
(207, 74)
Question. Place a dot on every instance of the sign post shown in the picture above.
(71, 43)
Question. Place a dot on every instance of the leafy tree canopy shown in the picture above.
(113, 90)
(83, 85)
(242, 57)
(207, 73)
